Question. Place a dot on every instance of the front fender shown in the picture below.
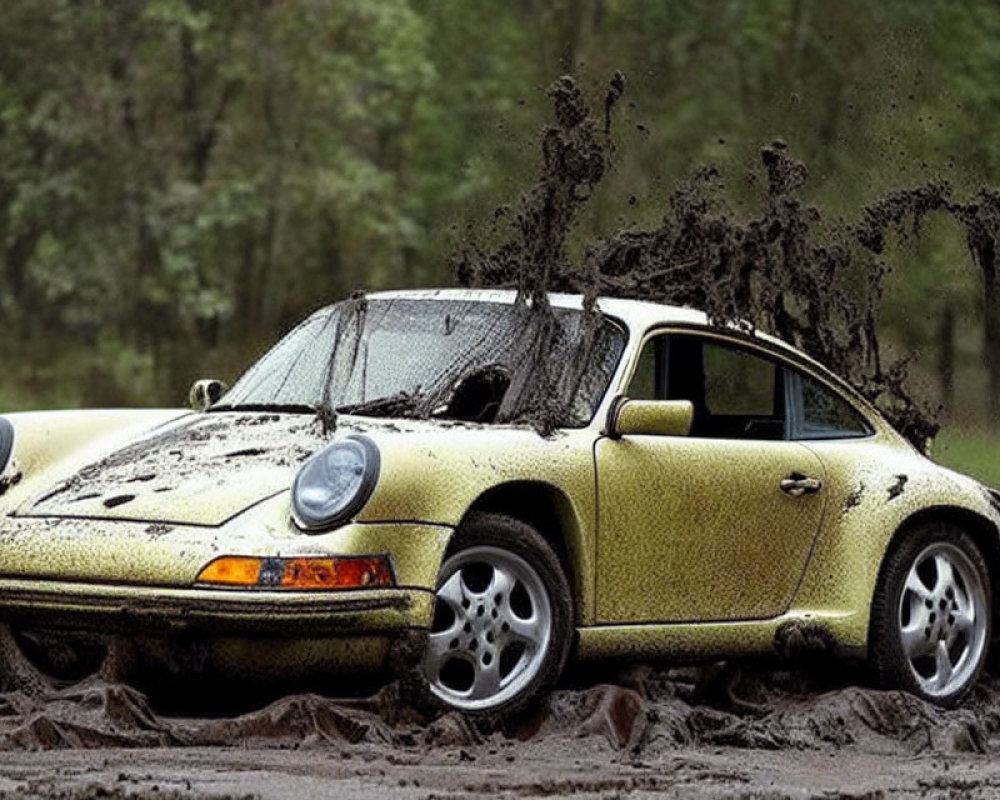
(436, 477)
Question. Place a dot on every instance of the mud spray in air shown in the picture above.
(785, 270)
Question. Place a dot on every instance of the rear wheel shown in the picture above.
(502, 624)
(931, 617)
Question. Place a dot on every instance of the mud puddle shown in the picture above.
(640, 710)
(642, 730)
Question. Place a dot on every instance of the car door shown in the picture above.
(717, 525)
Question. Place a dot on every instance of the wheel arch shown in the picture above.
(983, 531)
(549, 510)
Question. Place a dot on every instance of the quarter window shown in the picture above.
(826, 415)
(648, 379)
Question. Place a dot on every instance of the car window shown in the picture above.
(737, 382)
(643, 385)
(447, 358)
(735, 393)
(826, 415)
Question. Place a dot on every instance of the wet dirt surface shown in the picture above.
(714, 732)
(719, 730)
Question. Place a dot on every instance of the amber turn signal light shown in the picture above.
(234, 570)
(342, 572)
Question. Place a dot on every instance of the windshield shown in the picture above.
(469, 360)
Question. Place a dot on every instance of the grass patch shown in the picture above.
(972, 451)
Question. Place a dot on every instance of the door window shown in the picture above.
(736, 394)
(738, 383)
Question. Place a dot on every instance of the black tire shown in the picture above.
(507, 545)
(914, 627)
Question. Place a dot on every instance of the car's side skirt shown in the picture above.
(788, 635)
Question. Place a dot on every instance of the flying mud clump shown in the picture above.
(787, 270)
(576, 153)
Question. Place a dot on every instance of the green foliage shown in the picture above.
(974, 452)
(183, 179)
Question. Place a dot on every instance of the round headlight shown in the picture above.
(335, 483)
(6, 443)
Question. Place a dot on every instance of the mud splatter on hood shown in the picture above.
(202, 470)
(205, 469)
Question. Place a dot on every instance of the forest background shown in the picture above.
(181, 181)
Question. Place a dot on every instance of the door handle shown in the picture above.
(797, 485)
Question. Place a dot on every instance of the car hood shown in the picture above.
(202, 469)
(205, 469)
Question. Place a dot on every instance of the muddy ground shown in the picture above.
(711, 732)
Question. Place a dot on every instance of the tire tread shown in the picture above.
(886, 658)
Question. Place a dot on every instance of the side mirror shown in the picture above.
(205, 393)
(649, 418)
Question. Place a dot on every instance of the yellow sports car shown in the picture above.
(378, 490)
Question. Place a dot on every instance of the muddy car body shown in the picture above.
(714, 493)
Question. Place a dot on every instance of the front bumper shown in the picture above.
(146, 610)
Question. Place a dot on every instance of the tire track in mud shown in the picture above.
(645, 710)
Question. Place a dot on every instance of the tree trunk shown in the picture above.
(980, 220)
(946, 359)
(991, 341)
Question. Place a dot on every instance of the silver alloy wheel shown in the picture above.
(943, 619)
(491, 631)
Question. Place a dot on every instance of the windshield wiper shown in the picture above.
(278, 408)
(401, 404)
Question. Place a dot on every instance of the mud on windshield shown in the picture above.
(440, 359)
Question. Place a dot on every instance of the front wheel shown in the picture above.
(931, 617)
(502, 624)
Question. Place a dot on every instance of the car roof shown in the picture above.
(633, 312)
(638, 315)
